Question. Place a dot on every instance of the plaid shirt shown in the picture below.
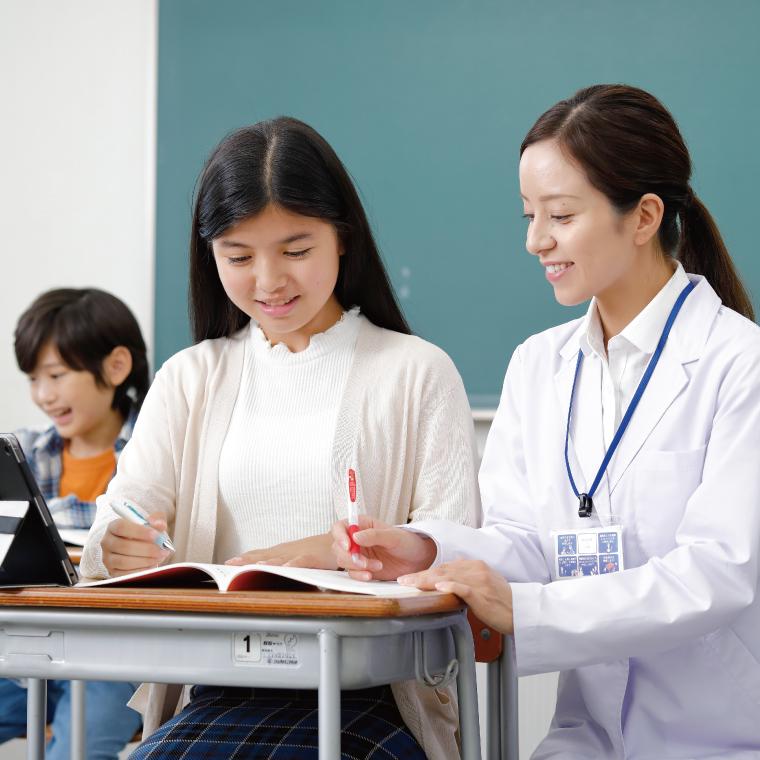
(43, 450)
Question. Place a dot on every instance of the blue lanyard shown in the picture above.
(585, 500)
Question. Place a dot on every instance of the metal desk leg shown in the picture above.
(510, 744)
(329, 695)
(77, 720)
(36, 707)
(467, 691)
(493, 710)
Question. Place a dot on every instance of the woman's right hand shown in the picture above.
(387, 551)
(128, 547)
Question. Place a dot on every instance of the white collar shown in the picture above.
(340, 335)
(644, 330)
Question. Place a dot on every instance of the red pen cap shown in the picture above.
(353, 547)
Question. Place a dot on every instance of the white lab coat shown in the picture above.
(660, 661)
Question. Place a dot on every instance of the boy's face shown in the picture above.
(76, 404)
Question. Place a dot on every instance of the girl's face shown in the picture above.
(585, 246)
(280, 269)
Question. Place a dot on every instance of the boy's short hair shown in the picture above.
(85, 325)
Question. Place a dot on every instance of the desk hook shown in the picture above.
(421, 671)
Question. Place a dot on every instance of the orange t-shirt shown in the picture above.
(87, 478)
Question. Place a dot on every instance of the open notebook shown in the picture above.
(254, 578)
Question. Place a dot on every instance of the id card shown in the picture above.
(591, 551)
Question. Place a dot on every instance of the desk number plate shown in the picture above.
(275, 650)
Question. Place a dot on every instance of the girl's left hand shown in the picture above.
(314, 551)
(486, 592)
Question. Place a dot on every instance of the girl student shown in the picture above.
(620, 480)
(303, 368)
(87, 365)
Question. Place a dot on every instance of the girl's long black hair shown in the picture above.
(286, 163)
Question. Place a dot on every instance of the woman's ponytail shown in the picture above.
(701, 250)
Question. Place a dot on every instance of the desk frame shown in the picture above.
(32, 645)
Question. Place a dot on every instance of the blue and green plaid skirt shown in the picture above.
(279, 724)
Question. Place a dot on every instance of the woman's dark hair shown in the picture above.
(85, 325)
(628, 144)
(286, 163)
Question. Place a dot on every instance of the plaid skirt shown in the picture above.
(279, 724)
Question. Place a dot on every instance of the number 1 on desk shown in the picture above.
(247, 647)
(270, 650)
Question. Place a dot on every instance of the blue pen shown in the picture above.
(135, 514)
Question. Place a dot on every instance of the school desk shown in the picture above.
(300, 639)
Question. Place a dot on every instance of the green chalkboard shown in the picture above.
(426, 102)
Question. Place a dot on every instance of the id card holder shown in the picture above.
(588, 551)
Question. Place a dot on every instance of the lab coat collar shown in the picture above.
(569, 350)
(690, 343)
(643, 331)
(685, 344)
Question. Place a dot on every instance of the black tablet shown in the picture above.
(31, 551)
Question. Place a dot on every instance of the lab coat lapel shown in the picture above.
(685, 344)
(583, 460)
(563, 385)
(666, 384)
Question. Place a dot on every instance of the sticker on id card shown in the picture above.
(567, 567)
(589, 551)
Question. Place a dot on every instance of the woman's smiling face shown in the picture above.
(584, 244)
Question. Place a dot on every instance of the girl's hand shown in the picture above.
(486, 592)
(314, 551)
(386, 552)
(128, 547)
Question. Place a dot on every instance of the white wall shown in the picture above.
(77, 147)
(77, 167)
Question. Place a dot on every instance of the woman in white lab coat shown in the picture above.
(645, 594)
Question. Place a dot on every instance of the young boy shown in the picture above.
(85, 357)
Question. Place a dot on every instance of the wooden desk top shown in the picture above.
(273, 603)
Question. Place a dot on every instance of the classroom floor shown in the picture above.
(16, 750)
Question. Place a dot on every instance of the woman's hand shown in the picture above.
(486, 592)
(386, 551)
(314, 551)
(128, 547)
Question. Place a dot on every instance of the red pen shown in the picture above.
(353, 516)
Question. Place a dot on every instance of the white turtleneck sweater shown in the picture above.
(276, 462)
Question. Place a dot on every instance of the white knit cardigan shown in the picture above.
(404, 420)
